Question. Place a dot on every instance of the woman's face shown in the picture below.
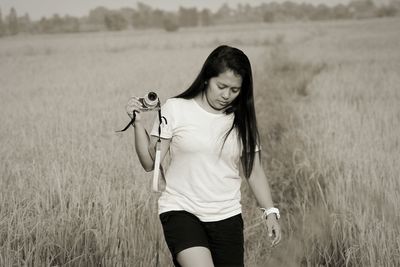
(223, 89)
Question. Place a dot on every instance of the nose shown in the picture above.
(226, 94)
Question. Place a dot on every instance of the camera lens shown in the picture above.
(152, 96)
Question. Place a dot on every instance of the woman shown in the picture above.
(211, 134)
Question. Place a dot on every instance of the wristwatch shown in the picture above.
(267, 212)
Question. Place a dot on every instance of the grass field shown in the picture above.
(72, 192)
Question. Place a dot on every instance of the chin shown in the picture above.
(220, 106)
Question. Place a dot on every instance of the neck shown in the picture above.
(207, 105)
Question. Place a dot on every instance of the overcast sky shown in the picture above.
(38, 8)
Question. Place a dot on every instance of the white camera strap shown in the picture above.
(157, 161)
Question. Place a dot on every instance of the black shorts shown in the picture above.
(223, 238)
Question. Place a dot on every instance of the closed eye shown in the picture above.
(223, 86)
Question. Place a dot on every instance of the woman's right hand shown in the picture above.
(132, 106)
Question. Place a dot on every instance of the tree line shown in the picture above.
(144, 16)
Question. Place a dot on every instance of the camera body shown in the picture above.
(149, 102)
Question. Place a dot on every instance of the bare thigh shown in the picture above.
(195, 257)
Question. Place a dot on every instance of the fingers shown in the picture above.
(131, 111)
(270, 231)
(133, 105)
(277, 238)
(133, 102)
(274, 231)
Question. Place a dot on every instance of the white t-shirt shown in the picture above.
(201, 179)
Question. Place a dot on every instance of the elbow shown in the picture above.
(147, 164)
(148, 168)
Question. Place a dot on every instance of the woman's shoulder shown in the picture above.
(176, 105)
(177, 101)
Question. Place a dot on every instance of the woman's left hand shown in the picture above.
(274, 229)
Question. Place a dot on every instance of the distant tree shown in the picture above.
(269, 16)
(395, 4)
(362, 8)
(97, 15)
(246, 13)
(114, 21)
(341, 12)
(56, 23)
(170, 23)
(205, 17)
(321, 12)
(290, 9)
(306, 11)
(70, 24)
(13, 22)
(386, 11)
(44, 25)
(188, 17)
(141, 18)
(25, 24)
(157, 18)
(240, 10)
(240, 13)
(224, 12)
(2, 26)
(127, 13)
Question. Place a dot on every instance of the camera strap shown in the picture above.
(157, 162)
(132, 122)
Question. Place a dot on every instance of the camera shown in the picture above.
(149, 102)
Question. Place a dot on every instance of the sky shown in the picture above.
(39, 8)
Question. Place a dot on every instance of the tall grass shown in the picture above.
(72, 192)
(343, 198)
(352, 128)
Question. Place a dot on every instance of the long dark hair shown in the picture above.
(225, 58)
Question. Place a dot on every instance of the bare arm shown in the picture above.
(259, 186)
(145, 145)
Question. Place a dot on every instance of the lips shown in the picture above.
(223, 103)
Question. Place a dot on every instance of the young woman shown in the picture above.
(212, 137)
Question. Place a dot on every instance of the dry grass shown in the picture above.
(345, 174)
(72, 192)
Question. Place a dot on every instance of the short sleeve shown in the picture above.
(167, 126)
